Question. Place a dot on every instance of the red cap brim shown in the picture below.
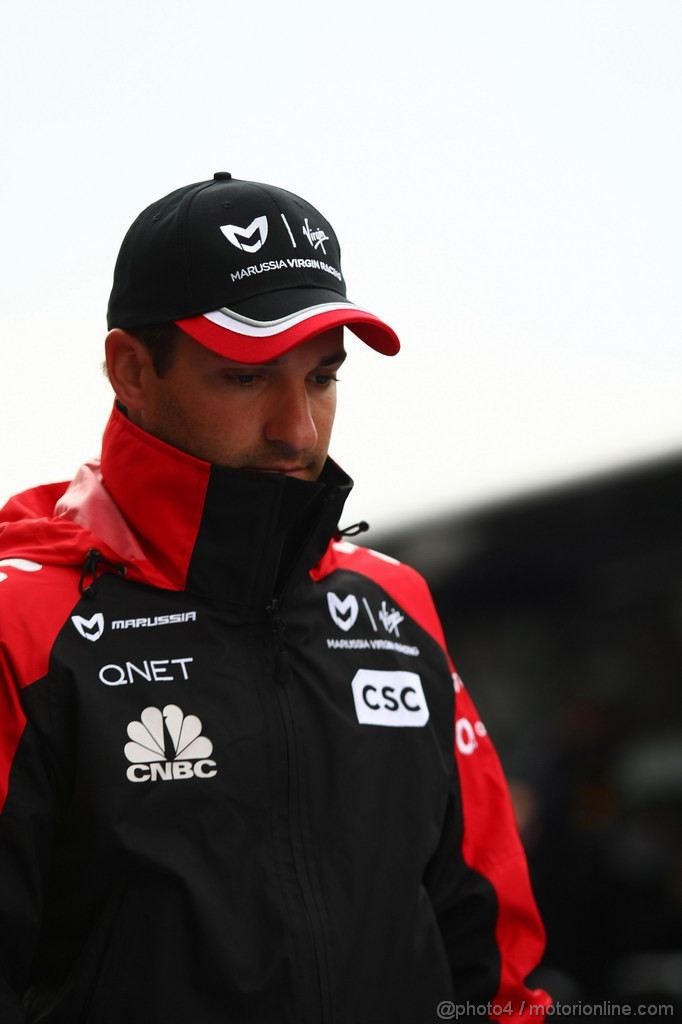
(249, 341)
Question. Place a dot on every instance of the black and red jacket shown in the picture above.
(231, 784)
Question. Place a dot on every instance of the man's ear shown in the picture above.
(129, 365)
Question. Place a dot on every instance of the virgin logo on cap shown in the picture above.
(233, 233)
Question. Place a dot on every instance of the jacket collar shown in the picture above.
(234, 536)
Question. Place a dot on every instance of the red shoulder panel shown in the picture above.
(35, 601)
(492, 847)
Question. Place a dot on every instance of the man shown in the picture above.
(229, 781)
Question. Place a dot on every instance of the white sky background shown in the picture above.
(504, 175)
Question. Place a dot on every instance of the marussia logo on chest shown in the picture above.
(90, 629)
(344, 612)
(168, 745)
(93, 628)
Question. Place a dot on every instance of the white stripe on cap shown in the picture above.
(232, 321)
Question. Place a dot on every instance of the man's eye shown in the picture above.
(323, 380)
(245, 379)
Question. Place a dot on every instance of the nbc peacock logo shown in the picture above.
(167, 745)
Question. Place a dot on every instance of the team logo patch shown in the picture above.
(166, 745)
(91, 629)
(389, 698)
(156, 670)
(390, 620)
(317, 238)
(344, 611)
(257, 229)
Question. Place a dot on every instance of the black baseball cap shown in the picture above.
(249, 270)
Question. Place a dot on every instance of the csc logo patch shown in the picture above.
(393, 698)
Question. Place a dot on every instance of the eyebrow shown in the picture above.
(333, 360)
(338, 357)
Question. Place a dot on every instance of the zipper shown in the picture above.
(304, 878)
(282, 665)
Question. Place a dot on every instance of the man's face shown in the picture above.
(273, 417)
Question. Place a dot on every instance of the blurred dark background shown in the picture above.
(563, 613)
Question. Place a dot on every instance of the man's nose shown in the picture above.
(290, 420)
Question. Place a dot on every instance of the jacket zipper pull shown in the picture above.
(93, 560)
(282, 666)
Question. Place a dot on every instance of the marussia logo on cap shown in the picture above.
(258, 228)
